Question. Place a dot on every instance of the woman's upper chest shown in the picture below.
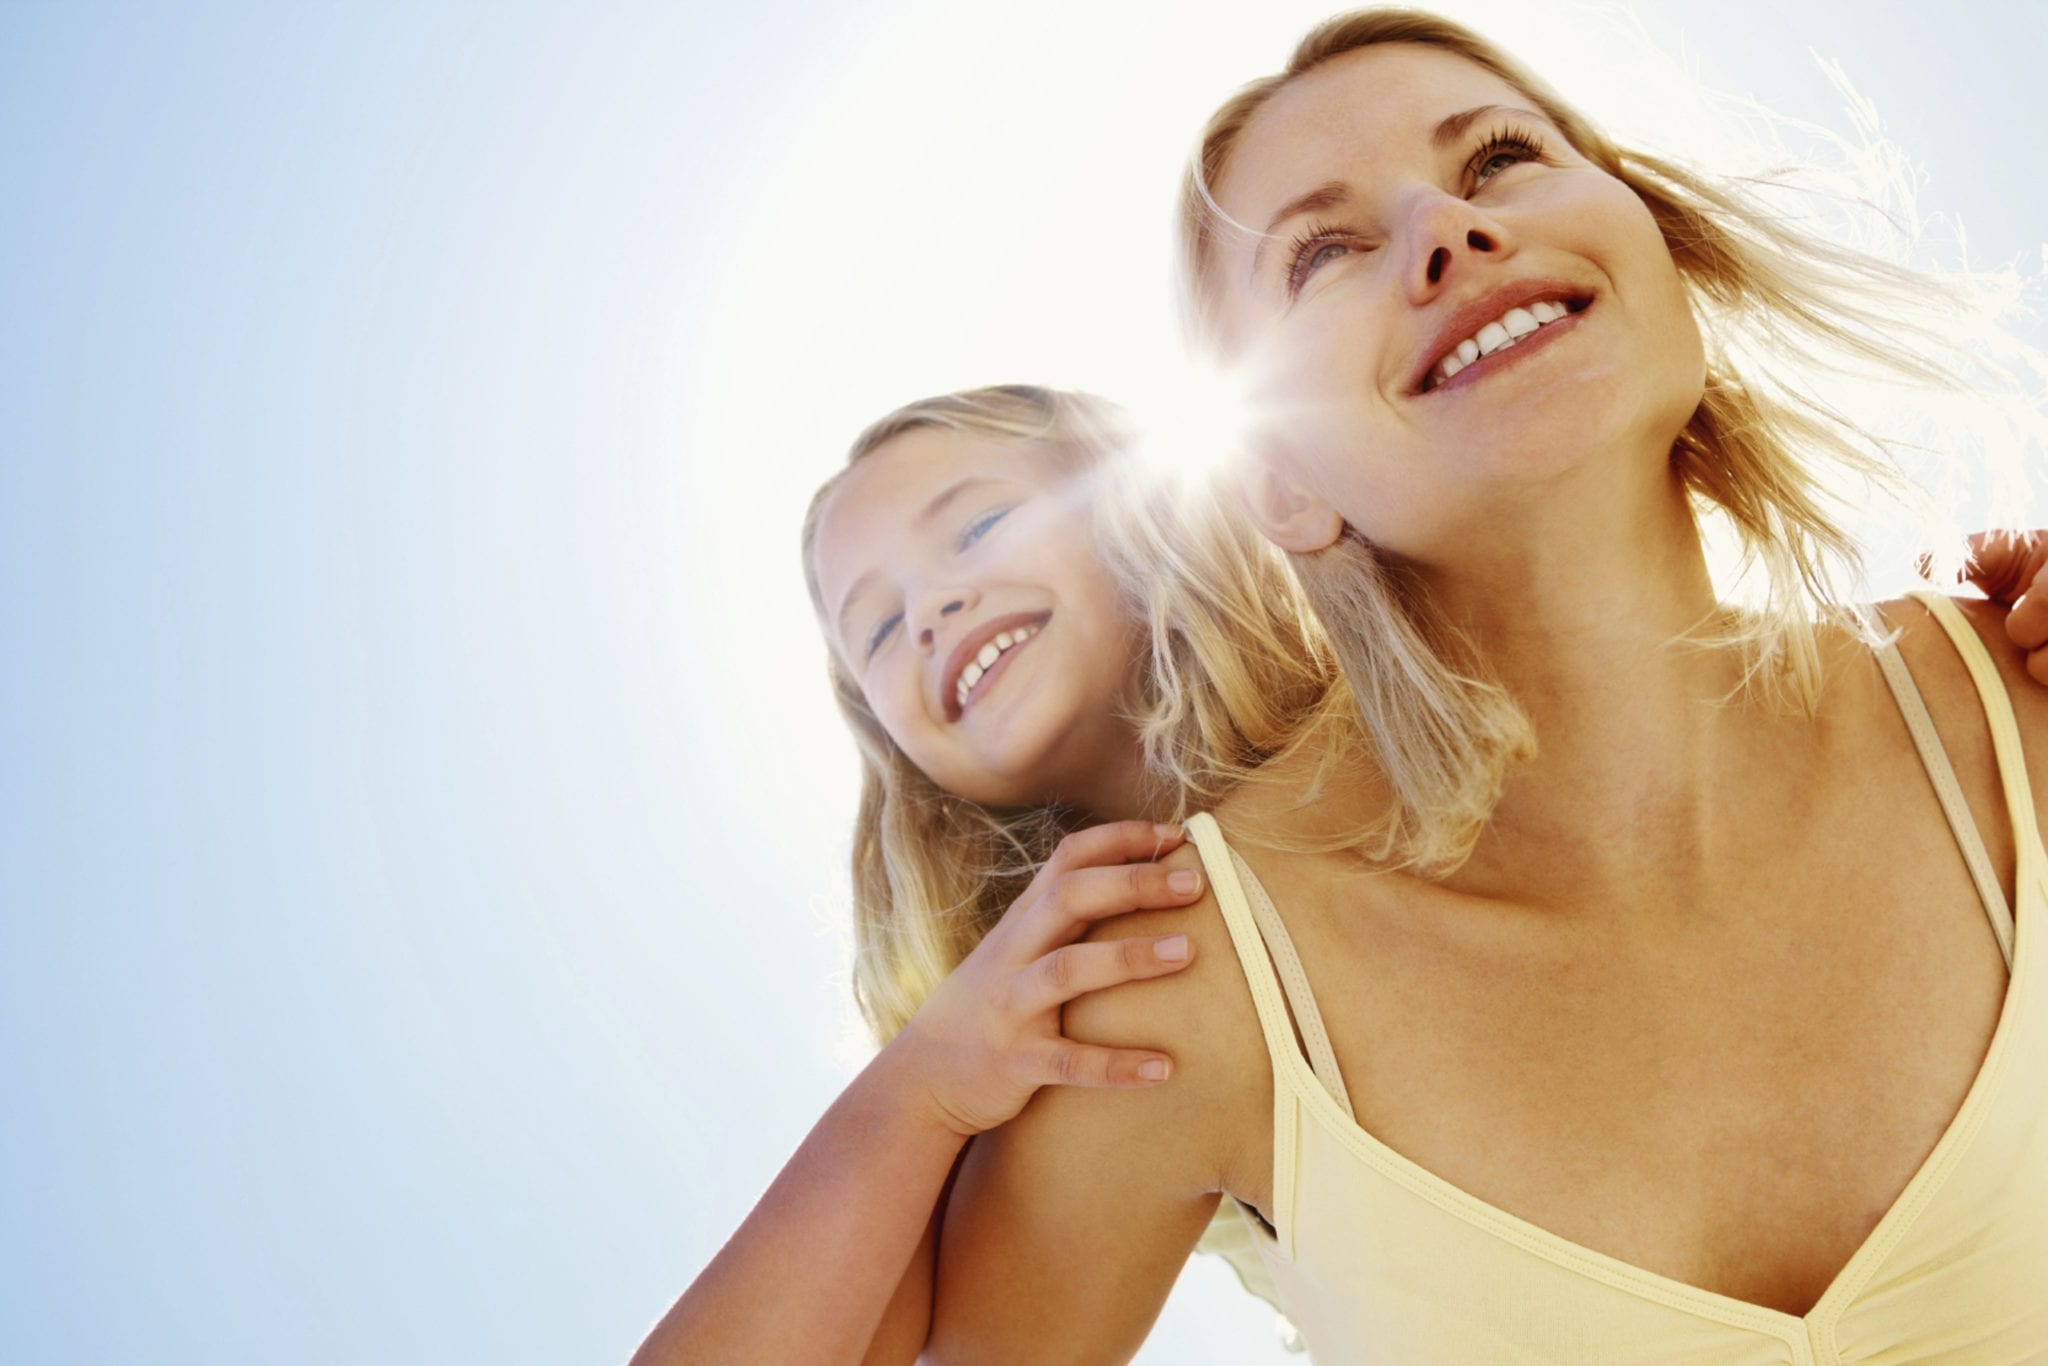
(1726, 1080)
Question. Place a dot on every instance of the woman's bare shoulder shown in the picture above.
(1203, 1016)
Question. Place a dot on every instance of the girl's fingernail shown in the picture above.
(1172, 950)
(1153, 1069)
(1166, 832)
(1186, 881)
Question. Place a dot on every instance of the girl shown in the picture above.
(1631, 995)
(1005, 695)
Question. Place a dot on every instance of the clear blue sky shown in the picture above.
(420, 876)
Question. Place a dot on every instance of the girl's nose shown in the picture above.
(933, 610)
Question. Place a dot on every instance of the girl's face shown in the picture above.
(964, 591)
(1411, 212)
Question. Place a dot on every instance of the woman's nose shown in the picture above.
(1446, 236)
(933, 608)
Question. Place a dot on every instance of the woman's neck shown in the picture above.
(1584, 620)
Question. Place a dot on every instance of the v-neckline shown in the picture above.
(1883, 1236)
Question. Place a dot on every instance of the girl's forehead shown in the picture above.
(906, 484)
(895, 480)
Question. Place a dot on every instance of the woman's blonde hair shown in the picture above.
(1758, 449)
(1233, 664)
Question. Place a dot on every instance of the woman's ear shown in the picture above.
(1292, 515)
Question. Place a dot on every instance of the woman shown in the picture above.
(1642, 1001)
(965, 1045)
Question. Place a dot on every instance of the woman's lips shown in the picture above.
(1494, 360)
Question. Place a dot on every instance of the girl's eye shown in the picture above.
(1315, 249)
(981, 525)
(882, 630)
(1504, 147)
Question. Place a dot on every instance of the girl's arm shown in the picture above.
(1068, 1226)
(837, 1257)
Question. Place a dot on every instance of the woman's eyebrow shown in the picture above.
(1453, 128)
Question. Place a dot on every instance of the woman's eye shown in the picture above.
(1495, 163)
(1328, 251)
(1502, 149)
(882, 630)
(1312, 251)
(981, 525)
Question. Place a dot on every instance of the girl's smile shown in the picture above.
(947, 561)
(984, 655)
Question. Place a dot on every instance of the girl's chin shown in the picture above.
(1016, 780)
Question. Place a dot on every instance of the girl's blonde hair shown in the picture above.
(1757, 449)
(1234, 663)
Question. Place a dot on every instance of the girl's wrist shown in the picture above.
(904, 1073)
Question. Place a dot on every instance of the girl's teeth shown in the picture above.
(1492, 338)
(1519, 322)
(982, 662)
(1468, 351)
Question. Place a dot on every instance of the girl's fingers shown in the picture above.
(1067, 907)
(1117, 842)
(2027, 623)
(2002, 563)
(1078, 969)
(2012, 567)
(1078, 1064)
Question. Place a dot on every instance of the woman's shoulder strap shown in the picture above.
(1267, 998)
(2005, 726)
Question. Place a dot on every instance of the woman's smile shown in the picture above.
(1457, 241)
(1505, 332)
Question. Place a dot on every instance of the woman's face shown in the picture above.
(964, 590)
(1412, 212)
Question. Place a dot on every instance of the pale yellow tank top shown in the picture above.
(1374, 1259)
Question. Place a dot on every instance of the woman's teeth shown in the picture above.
(1508, 329)
(982, 662)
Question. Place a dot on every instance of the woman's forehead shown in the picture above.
(1347, 115)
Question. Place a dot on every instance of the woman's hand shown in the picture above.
(2012, 567)
(990, 1035)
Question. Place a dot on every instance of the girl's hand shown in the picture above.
(990, 1035)
(841, 1224)
(2012, 568)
